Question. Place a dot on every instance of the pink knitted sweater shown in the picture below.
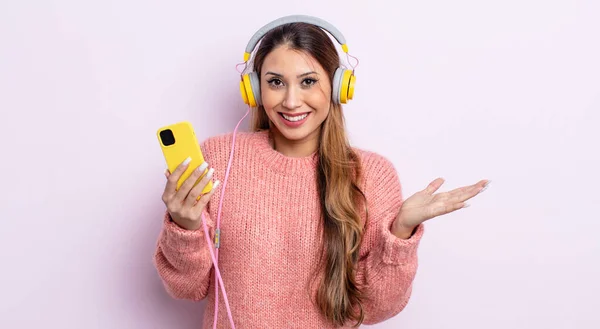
(271, 236)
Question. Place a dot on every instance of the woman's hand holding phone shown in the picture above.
(183, 205)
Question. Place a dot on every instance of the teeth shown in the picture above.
(296, 118)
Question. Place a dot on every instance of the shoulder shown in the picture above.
(376, 166)
(379, 178)
(218, 146)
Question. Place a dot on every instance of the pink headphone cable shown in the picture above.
(214, 254)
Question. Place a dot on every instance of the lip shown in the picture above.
(293, 114)
(294, 124)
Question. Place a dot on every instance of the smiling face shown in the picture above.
(296, 95)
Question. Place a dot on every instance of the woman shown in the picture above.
(315, 232)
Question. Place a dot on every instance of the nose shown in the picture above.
(292, 99)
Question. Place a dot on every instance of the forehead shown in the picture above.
(284, 59)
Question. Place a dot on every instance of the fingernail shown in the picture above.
(166, 172)
(484, 187)
(216, 184)
(210, 172)
(203, 167)
(187, 161)
(467, 205)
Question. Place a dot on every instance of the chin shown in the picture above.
(296, 135)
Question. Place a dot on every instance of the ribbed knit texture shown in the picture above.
(271, 237)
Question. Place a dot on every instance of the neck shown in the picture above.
(295, 148)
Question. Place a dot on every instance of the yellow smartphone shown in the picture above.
(178, 141)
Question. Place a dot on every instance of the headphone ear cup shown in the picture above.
(255, 84)
(250, 89)
(243, 90)
(246, 90)
(351, 86)
(347, 87)
(336, 85)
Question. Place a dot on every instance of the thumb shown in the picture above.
(167, 173)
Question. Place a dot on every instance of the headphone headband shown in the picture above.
(294, 19)
(343, 80)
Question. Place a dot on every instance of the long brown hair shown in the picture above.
(338, 296)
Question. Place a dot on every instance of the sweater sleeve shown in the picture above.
(183, 261)
(387, 264)
(182, 257)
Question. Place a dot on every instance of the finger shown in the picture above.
(189, 182)
(196, 191)
(171, 187)
(485, 183)
(477, 189)
(199, 206)
(462, 190)
(434, 186)
(466, 192)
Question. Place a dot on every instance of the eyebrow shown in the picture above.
(298, 76)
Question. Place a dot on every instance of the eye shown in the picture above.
(275, 82)
(309, 82)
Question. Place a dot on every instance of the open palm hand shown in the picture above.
(425, 205)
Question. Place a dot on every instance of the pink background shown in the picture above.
(506, 90)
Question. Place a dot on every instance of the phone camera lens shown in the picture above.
(167, 138)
